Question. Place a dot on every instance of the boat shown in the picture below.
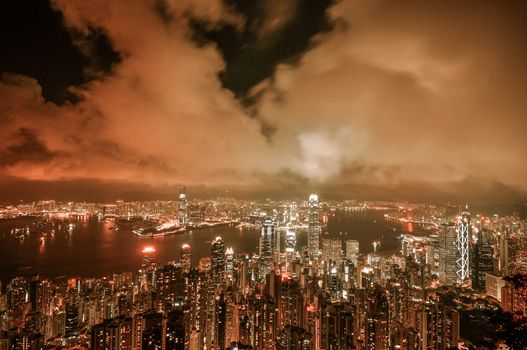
(167, 228)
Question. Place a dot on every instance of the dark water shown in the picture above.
(94, 249)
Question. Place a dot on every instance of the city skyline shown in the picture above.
(418, 102)
(452, 280)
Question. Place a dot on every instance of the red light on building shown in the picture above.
(285, 277)
(149, 249)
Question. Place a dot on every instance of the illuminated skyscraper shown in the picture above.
(462, 244)
(267, 247)
(267, 240)
(185, 257)
(377, 322)
(170, 286)
(229, 263)
(331, 250)
(314, 229)
(483, 261)
(290, 242)
(152, 331)
(182, 206)
(290, 249)
(218, 262)
(148, 268)
(447, 254)
(352, 251)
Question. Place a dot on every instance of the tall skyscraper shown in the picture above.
(377, 322)
(447, 253)
(229, 263)
(290, 242)
(148, 268)
(218, 262)
(331, 250)
(352, 251)
(462, 244)
(267, 247)
(483, 261)
(314, 229)
(182, 206)
(152, 330)
(170, 286)
(174, 330)
(185, 257)
(267, 240)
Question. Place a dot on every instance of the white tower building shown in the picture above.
(462, 245)
(313, 229)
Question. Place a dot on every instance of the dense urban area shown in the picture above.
(459, 281)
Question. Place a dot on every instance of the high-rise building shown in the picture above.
(229, 264)
(152, 331)
(462, 244)
(174, 330)
(267, 240)
(337, 327)
(352, 251)
(331, 250)
(447, 254)
(267, 248)
(182, 206)
(148, 268)
(218, 262)
(112, 334)
(185, 257)
(34, 293)
(314, 228)
(170, 286)
(377, 322)
(290, 242)
(483, 261)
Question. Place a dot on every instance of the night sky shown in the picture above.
(409, 100)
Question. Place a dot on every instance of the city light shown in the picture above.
(149, 249)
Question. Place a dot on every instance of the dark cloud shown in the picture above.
(274, 32)
(34, 42)
(24, 146)
(97, 48)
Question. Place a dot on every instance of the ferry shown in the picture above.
(167, 228)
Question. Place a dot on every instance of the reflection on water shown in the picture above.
(94, 248)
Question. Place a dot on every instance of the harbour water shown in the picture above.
(94, 248)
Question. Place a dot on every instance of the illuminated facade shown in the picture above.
(229, 264)
(218, 262)
(290, 242)
(148, 267)
(462, 245)
(185, 257)
(182, 206)
(352, 251)
(266, 247)
(331, 250)
(447, 254)
(314, 228)
(267, 240)
(483, 261)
